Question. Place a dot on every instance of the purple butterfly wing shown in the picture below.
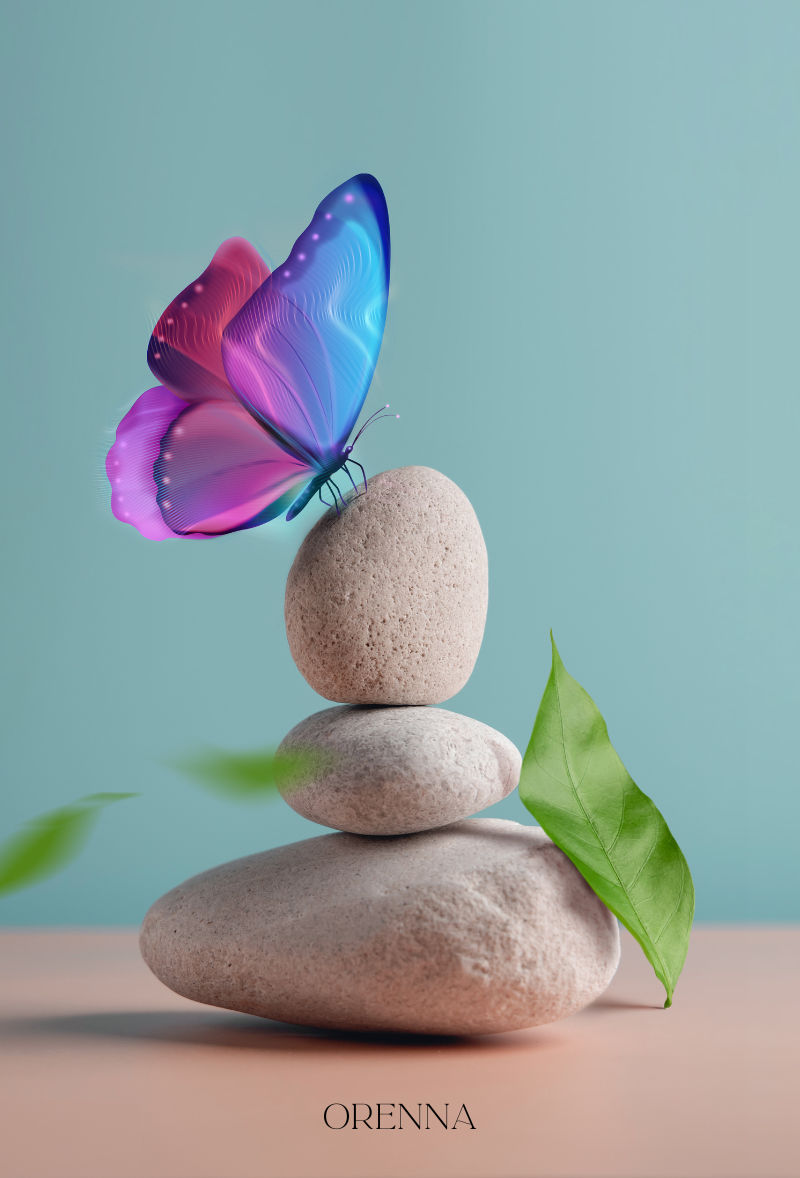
(129, 464)
(219, 471)
(301, 353)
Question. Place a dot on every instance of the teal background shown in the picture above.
(593, 329)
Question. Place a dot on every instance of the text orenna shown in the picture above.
(391, 1116)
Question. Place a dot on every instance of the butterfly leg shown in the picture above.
(344, 468)
(338, 492)
(363, 472)
(325, 501)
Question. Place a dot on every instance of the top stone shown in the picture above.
(386, 603)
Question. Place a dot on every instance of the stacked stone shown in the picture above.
(411, 918)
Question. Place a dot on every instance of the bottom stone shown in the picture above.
(472, 928)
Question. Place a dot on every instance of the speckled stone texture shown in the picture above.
(397, 770)
(386, 604)
(473, 928)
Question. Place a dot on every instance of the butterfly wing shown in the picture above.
(219, 471)
(184, 352)
(129, 464)
(301, 353)
(197, 470)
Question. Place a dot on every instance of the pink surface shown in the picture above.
(106, 1074)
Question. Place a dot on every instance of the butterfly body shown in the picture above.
(263, 377)
(323, 479)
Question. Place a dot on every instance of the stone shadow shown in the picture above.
(608, 1003)
(252, 1033)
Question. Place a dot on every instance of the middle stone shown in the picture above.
(397, 770)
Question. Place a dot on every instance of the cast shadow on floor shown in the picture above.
(607, 1003)
(230, 1030)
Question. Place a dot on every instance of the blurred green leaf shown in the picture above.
(257, 775)
(48, 843)
(577, 788)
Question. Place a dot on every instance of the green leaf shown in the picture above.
(48, 843)
(252, 776)
(579, 791)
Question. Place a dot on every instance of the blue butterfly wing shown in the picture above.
(301, 352)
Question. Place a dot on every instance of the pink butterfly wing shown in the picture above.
(220, 471)
(129, 464)
(185, 351)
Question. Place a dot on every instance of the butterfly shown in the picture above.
(263, 376)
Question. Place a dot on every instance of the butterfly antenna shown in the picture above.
(376, 416)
